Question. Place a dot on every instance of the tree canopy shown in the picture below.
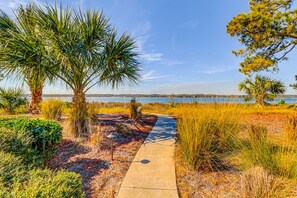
(268, 32)
(261, 89)
(86, 51)
(23, 52)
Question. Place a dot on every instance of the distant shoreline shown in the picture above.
(160, 95)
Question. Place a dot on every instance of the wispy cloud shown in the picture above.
(151, 57)
(151, 76)
(142, 33)
(214, 70)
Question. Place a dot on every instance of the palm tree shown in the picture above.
(261, 89)
(23, 52)
(88, 52)
(12, 98)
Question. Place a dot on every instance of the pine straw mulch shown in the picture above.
(223, 183)
(100, 176)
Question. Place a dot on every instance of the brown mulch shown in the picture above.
(102, 177)
(224, 183)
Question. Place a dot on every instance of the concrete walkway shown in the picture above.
(152, 172)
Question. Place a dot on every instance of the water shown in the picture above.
(167, 100)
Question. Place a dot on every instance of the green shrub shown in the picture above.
(20, 144)
(5, 191)
(11, 168)
(46, 183)
(46, 135)
(52, 109)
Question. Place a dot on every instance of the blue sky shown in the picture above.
(184, 45)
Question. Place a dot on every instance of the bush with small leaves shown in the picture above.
(20, 144)
(46, 183)
(11, 168)
(46, 135)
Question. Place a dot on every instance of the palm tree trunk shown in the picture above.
(260, 100)
(36, 94)
(79, 117)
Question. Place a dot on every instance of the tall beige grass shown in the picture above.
(207, 134)
(291, 129)
(256, 182)
(52, 109)
(279, 159)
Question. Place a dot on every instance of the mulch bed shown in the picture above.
(102, 177)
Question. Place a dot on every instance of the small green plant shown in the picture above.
(11, 99)
(52, 109)
(291, 129)
(281, 102)
(124, 130)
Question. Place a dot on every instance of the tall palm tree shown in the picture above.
(88, 52)
(261, 89)
(22, 51)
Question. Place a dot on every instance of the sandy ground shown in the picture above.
(102, 177)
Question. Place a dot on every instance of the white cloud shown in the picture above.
(214, 70)
(142, 35)
(151, 57)
(151, 76)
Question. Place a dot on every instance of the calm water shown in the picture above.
(166, 100)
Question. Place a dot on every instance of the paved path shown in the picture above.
(152, 172)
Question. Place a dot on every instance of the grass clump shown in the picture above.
(207, 135)
(256, 182)
(278, 159)
(52, 109)
(291, 129)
